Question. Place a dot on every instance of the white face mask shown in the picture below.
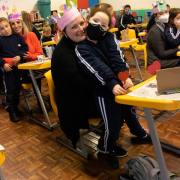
(164, 18)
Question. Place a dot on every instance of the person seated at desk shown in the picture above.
(172, 32)
(127, 18)
(118, 22)
(27, 20)
(18, 26)
(46, 37)
(157, 45)
(75, 107)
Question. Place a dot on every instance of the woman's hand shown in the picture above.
(7, 67)
(16, 60)
(128, 83)
(118, 90)
(25, 55)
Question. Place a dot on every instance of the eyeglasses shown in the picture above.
(96, 21)
(14, 23)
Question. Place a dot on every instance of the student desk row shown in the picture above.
(130, 43)
(148, 104)
(36, 65)
(139, 26)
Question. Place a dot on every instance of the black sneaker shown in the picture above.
(141, 140)
(113, 160)
(120, 152)
(12, 114)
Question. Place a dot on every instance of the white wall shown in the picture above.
(138, 3)
(30, 5)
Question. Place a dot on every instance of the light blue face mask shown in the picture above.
(127, 11)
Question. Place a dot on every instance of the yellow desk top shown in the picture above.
(178, 53)
(49, 43)
(35, 65)
(113, 30)
(148, 103)
(2, 157)
(142, 34)
(138, 25)
(127, 43)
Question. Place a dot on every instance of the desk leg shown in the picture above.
(140, 36)
(156, 143)
(136, 63)
(1, 174)
(48, 124)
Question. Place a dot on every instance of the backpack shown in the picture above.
(143, 167)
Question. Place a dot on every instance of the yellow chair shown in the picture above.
(2, 159)
(83, 152)
(137, 47)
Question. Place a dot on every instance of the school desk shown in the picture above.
(36, 65)
(130, 43)
(2, 159)
(49, 43)
(148, 104)
(139, 26)
(113, 30)
(178, 53)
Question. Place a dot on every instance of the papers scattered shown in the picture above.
(149, 91)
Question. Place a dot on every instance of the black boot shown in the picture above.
(18, 112)
(12, 114)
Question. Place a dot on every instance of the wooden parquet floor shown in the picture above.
(32, 151)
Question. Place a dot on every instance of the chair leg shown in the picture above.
(27, 102)
(82, 152)
(1, 174)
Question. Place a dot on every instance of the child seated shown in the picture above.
(127, 18)
(46, 37)
(172, 33)
(12, 47)
(101, 58)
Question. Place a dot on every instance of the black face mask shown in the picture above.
(94, 31)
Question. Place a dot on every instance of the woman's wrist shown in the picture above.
(179, 47)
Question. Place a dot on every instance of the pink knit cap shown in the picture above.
(68, 17)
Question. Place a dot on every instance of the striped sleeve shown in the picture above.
(94, 67)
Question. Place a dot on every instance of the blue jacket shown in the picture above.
(102, 61)
(11, 46)
(127, 19)
(173, 37)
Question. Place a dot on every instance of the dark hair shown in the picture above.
(127, 6)
(168, 6)
(101, 7)
(173, 13)
(151, 23)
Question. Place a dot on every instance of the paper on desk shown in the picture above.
(1, 148)
(149, 91)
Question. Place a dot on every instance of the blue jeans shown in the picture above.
(178, 64)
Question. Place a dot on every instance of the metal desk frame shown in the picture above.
(31, 66)
(147, 105)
